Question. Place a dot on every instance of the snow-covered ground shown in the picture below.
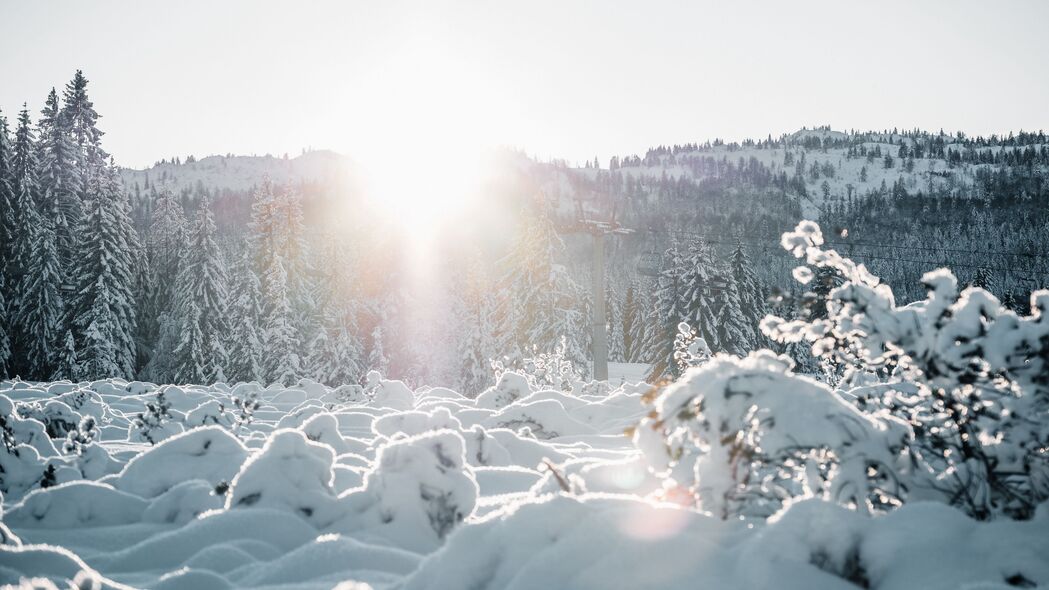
(396, 488)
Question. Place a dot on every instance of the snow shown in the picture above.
(426, 488)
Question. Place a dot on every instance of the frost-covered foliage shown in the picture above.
(745, 435)
(980, 411)
(529, 484)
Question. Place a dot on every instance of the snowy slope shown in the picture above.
(427, 489)
(240, 173)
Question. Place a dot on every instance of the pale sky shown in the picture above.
(554, 78)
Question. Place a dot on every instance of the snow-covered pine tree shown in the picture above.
(41, 309)
(539, 300)
(80, 120)
(6, 243)
(616, 336)
(336, 354)
(636, 329)
(730, 323)
(667, 312)
(245, 348)
(200, 305)
(377, 359)
(474, 308)
(165, 249)
(66, 365)
(58, 197)
(25, 232)
(103, 309)
(698, 298)
(280, 338)
(751, 294)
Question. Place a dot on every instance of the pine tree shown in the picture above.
(25, 233)
(280, 338)
(616, 336)
(245, 353)
(165, 249)
(7, 203)
(58, 196)
(200, 306)
(477, 345)
(103, 308)
(66, 364)
(377, 359)
(41, 310)
(733, 333)
(80, 120)
(540, 302)
(751, 298)
(697, 278)
(667, 313)
(635, 326)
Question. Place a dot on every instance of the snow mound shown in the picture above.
(210, 453)
(419, 490)
(75, 504)
(290, 473)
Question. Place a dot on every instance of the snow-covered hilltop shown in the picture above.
(832, 165)
(240, 173)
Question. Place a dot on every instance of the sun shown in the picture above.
(423, 135)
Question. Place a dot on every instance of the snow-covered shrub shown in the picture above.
(388, 393)
(413, 423)
(743, 435)
(156, 422)
(211, 412)
(323, 428)
(418, 491)
(546, 370)
(57, 417)
(210, 453)
(981, 415)
(509, 387)
(91, 458)
(290, 473)
(689, 349)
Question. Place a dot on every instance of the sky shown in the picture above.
(556, 79)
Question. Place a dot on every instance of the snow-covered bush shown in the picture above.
(156, 422)
(744, 435)
(210, 453)
(418, 491)
(57, 417)
(290, 473)
(981, 414)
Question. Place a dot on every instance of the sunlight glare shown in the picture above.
(423, 141)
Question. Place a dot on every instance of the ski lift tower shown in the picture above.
(598, 229)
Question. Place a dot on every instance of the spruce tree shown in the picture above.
(6, 243)
(58, 198)
(667, 312)
(66, 365)
(200, 306)
(751, 297)
(25, 233)
(245, 353)
(80, 120)
(41, 310)
(280, 338)
(540, 302)
(697, 279)
(103, 307)
(476, 333)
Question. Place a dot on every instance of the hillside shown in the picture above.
(241, 173)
